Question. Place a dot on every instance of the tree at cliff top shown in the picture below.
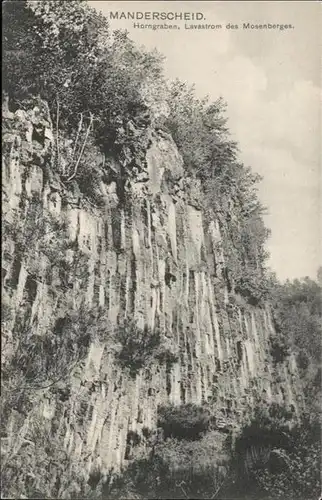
(65, 52)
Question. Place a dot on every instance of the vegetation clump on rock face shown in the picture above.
(139, 347)
(183, 422)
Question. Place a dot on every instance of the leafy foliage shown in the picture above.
(137, 345)
(279, 349)
(140, 347)
(82, 68)
(297, 314)
(278, 457)
(300, 478)
(187, 421)
(174, 469)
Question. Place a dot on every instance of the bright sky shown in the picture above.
(271, 81)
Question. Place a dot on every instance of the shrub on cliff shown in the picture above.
(137, 345)
(40, 361)
(35, 229)
(279, 349)
(40, 237)
(250, 283)
(187, 421)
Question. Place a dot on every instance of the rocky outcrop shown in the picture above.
(154, 257)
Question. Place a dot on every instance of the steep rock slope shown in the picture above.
(150, 255)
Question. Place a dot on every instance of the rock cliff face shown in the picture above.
(153, 256)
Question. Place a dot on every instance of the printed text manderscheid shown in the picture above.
(157, 16)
